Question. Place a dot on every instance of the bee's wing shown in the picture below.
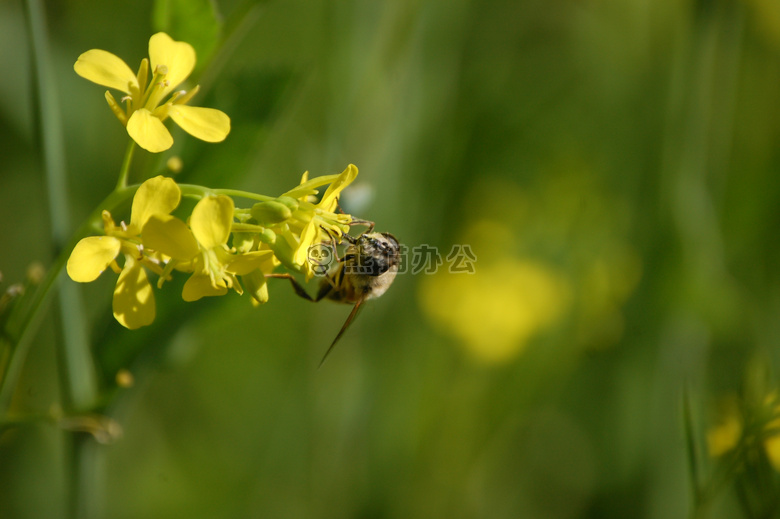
(349, 320)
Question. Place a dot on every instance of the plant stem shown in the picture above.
(20, 336)
(82, 451)
(78, 377)
(691, 452)
(200, 191)
(82, 480)
(125, 169)
(77, 372)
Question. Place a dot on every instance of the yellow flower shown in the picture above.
(313, 223)
(202, 248)
(171, 62)
(772, 443)
(255, 280)
(218, 244)
(497, 310)
(133, 302)
(731, 429)
(725, 435)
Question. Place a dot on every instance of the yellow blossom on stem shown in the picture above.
(202, 248)
(218, 244)
(133, 302)
(311, 223)
(171, 63)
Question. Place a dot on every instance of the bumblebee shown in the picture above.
(366, 271)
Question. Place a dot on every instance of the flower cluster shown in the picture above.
(147, 107)
(217, 244)
(747, 430)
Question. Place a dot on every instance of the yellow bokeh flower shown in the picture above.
(772, 443)
(171, 63)
(498, 309)
(725, 435)
(754, 427)
(133, 302)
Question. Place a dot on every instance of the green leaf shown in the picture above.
(194, 21)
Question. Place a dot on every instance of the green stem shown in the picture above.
(22, 420)
(82, 483)
(244, 194)
(125, 169)
(237, 27)
(20, 337)
(82, 460)
(200, 191)
(691, 449)
(78, 378)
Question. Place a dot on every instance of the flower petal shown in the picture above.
(257, 286)
(199, 285)
(133, 304)
(307, 238)
(106, 69)
(177, 56)
(211, 221)
(284, 250)
(149, 131)
(207, 124)
(307, 187)
(331, 197)
(171, 236)
(157, 196)
(245, 263)
(91, 256)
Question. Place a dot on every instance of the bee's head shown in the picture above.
(376, 253)
(387, 243)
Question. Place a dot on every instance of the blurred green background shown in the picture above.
(611, 163)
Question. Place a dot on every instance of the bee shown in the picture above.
(366, 271)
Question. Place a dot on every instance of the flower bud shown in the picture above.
(270, 213)
(289, 202)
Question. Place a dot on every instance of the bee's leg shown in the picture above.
(332, 243)
(367, 223)
(325, 290)
(351, 239)
(329, 233)
(332, 282)
(296, 286)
